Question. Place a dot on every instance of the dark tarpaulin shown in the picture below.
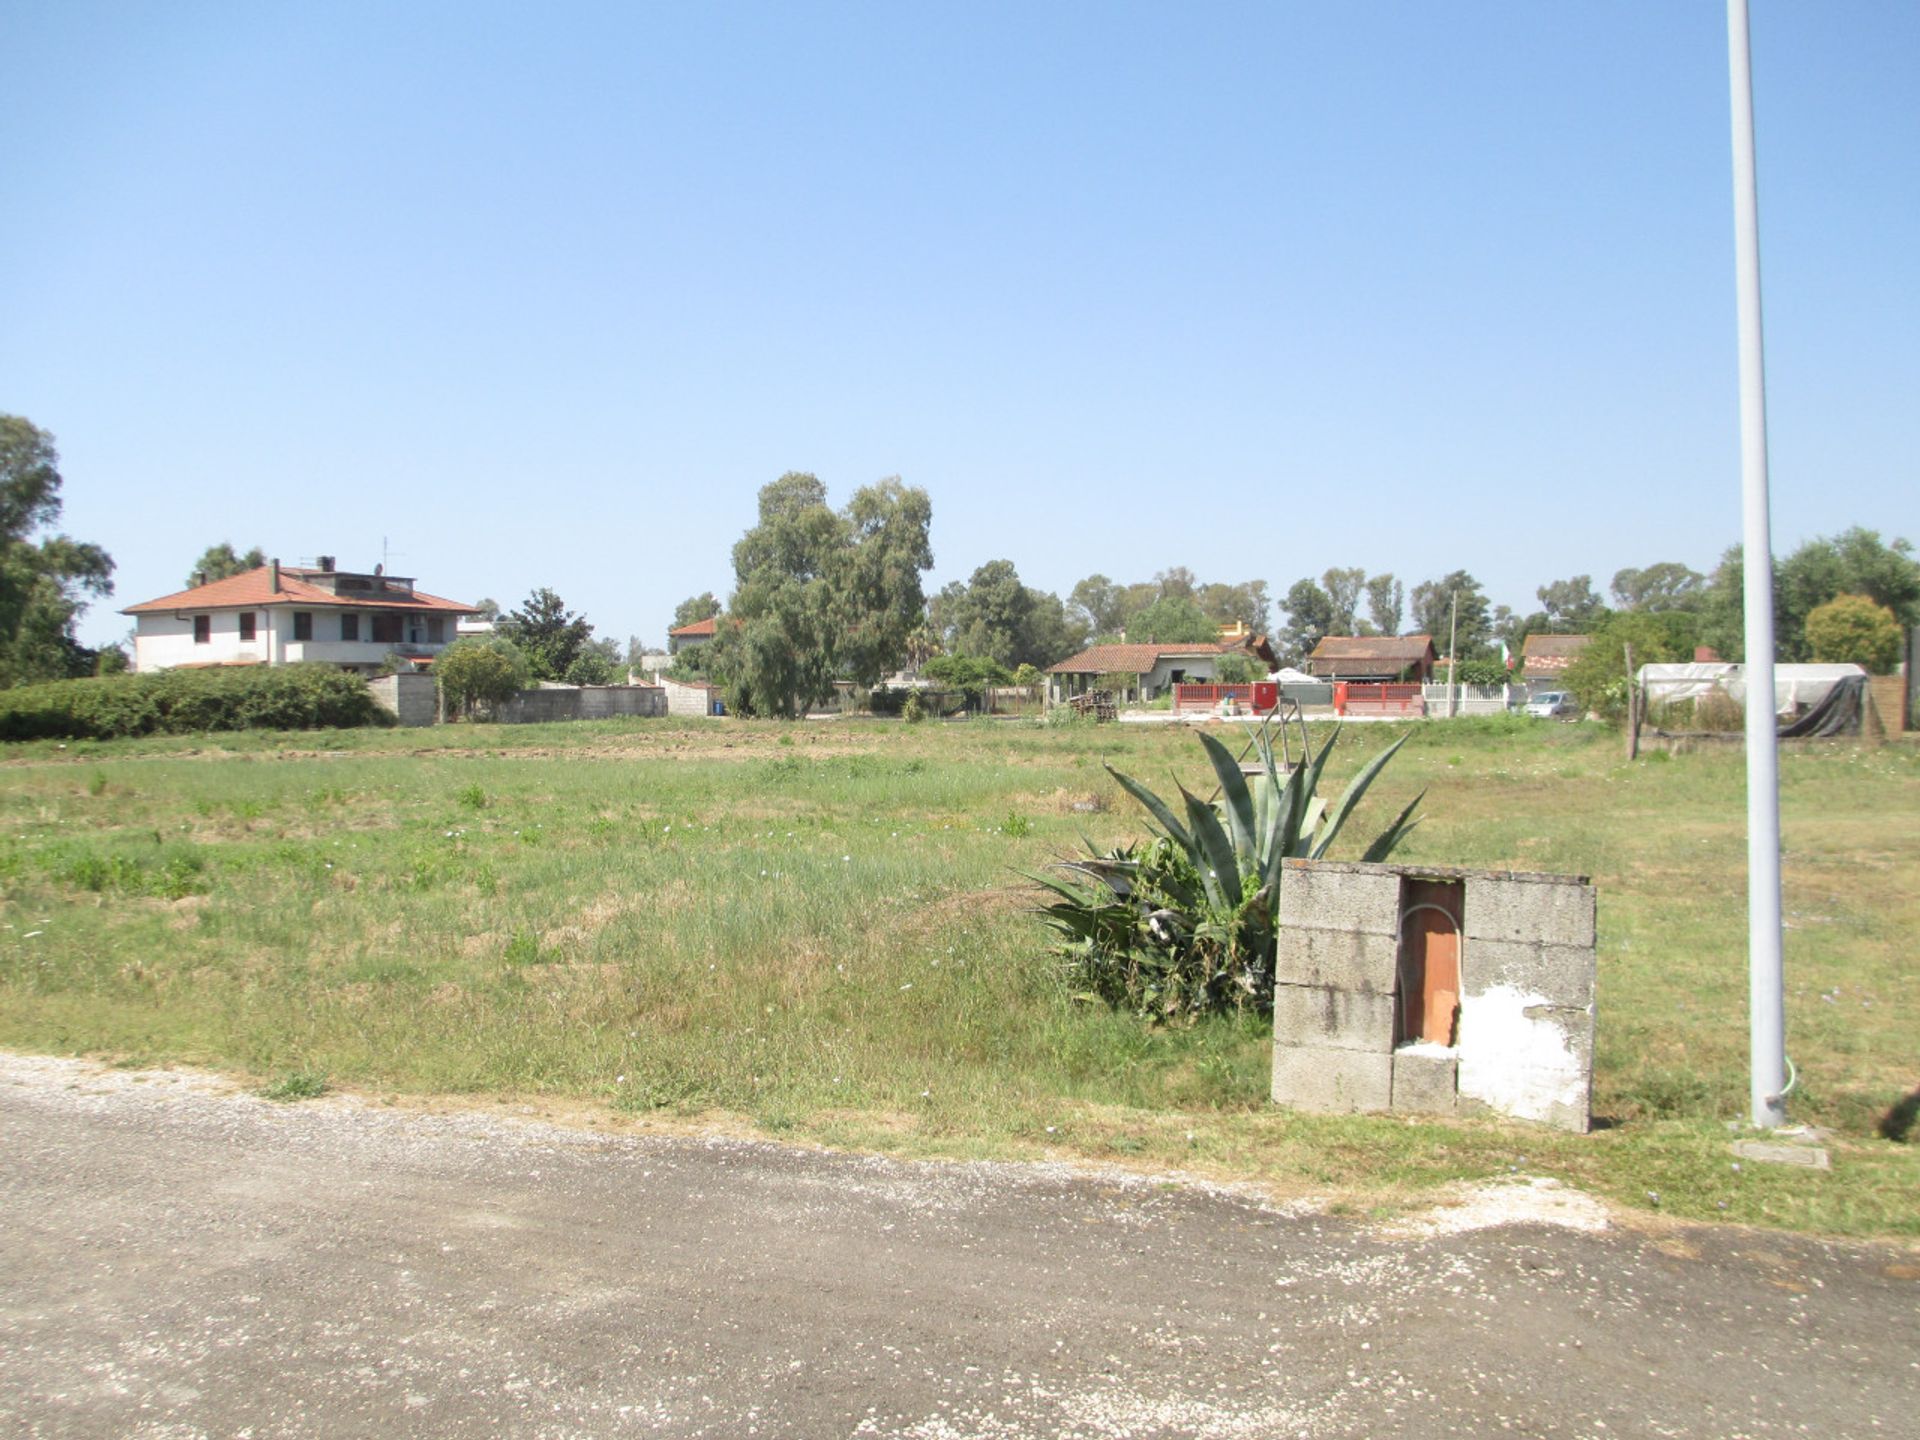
(1839, 712)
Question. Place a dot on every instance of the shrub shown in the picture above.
(1476, 672)
(478, 674)
(1184, 925)
(1238, 668)
(913, 711)
(112, 707)
(1853, 629)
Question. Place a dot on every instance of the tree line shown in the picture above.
(823, 594)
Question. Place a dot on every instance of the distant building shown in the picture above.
(698, 633)
(1376, 658)
(1151, 669)
(1544, 659)
(282, 614)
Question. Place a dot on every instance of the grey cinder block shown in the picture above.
(1343, 960)
(1319, 896)
(1336, 1081)
(1531, 1061)
(1325, 1018)
(1542, 911)
(1425, 1084)
(1557, 974)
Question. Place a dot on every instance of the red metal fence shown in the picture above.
(1254, 699)
(1351, 698)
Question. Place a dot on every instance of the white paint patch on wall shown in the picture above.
(1516, 1063)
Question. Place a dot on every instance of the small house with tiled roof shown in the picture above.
(698, 633)
(1376, 658)
(1544, 658)
(283, 614)
(1151, 669)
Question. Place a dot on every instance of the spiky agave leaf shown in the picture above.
(1222, 873)
(1350, 797)
(1156, 807)
(1237, 799)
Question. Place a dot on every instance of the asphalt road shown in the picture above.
(178, 1261)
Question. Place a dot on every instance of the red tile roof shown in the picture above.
(255, 588)
(698, 630)
(1545, 656)
(1131, 659)
(1404, 648)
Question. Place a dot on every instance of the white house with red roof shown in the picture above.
(282, 614)
(1152, 668)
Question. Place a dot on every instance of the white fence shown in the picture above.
(1468, 700)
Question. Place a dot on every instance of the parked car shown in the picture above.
(1554, 705)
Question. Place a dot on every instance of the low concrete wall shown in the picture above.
(581, 702)
(1526, 951)
(692, 701)
(414, 699)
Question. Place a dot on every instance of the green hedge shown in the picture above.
(177, 702)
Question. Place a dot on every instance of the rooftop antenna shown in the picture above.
(386, 554)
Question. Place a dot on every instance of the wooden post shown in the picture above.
(1633, 709)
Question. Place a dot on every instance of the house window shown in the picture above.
(246, 625)
(386, 629)
(303, 624)
(349, 627)
(202, 629)
(436, 629)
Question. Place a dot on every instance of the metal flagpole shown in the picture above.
(1766, 987)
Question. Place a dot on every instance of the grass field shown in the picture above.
(818, 930)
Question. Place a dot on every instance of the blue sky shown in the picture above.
(543, 295)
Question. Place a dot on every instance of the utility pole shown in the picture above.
(1453, 653)
(1766, 984)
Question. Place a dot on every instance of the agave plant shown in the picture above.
(1184, 923)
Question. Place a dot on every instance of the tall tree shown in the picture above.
(218, 562)
(43, 582)
(1100, 603)
(1176, 582)
(1667, 585)
(1246, 604)
(1343, 594)
(694, 609)
(820, 594)
(1854, 562)
(1172, 620)
(1572, 607)
(1309, 620)
(548, 634)
(1432, 605)
(995, 617)
(1386, 603)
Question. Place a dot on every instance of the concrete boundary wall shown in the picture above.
(412, 698)
(581, 702)
(1523, 1038)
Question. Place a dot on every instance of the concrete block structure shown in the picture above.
(413, 699)
(1436, 991)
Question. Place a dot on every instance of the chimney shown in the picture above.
(199, 578)
(326, 564)
(273, 575)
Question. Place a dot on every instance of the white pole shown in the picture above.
(1453, 652)
(1766, 987)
